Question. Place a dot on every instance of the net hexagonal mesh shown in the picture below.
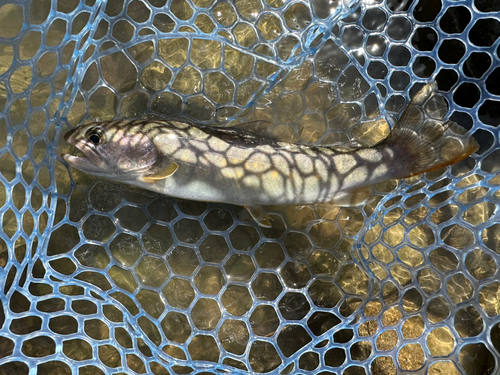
(99, 277)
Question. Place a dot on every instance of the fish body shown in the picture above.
(233, 166)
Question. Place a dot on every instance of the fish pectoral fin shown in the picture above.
(258, 214)
(164, 173)
(354, 197)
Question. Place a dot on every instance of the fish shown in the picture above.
(235, 166)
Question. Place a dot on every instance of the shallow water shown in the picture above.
(101, 277)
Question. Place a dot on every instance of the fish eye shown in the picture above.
(95, 136)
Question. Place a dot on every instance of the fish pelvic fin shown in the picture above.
(422, 142)
(259, 215)
(353, 198)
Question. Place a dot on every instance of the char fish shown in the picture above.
(234, 166)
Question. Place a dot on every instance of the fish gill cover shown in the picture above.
(100, 278)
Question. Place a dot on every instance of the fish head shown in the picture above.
(112, 150)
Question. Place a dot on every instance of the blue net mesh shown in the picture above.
(99, 277)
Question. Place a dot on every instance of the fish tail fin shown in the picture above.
(422, 142)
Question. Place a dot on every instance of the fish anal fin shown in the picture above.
(162, 174)
(352, 198)
(258, 214)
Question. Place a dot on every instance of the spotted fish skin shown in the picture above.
(236, 167)
(233, 166)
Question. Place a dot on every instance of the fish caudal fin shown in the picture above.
(422, 141)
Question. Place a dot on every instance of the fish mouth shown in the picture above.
(84, 158)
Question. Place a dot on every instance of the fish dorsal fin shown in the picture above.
(287, 134)
(259, 128)
(162, 174)
(345, 147)
(152, 117)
